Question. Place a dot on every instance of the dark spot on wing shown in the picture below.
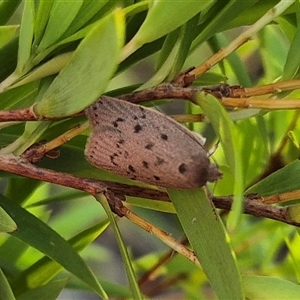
(119, 143)
(156, 178)
(137, 128)
(112, 159)
(164, 137)
(159, 161)
(126, 154)
(119, 120)
(142, 109)
(182, 168)
(145, 164)
(149, 146)
(131, 169)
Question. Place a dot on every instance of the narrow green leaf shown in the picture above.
(284, 180)
(6, 33)
(7, 8)
(38, 235)
(221, 15)
(136, 294)
(229, 138)
(173, 54)
(293, 57)
(218, 42)
(48, 291)
(41, 20)
(61, 16)
(87, 74)
(208, 239)
(157, 25)
(265, 288)
(86, 12)
(51, 67)
(6, 292)
(7, 224)
(26, 36)
(45, 269)
(8, 58)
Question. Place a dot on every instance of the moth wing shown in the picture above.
(144, 145)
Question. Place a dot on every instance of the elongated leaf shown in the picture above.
(6, 33)
(59, 21)
(6, 292)
(26, 36)
(7, 224)
(38, 235)
(220, 17)
(7, 8)
(157, 25)
(228, 135)
(86, 12)
(48, 291)
(87, 74)
(208, 239)
(8, 58)
(281, 181)
(174, 53)
(122, 247)
(293, 57)
(45, 269)
(265, 288)
(41, 20)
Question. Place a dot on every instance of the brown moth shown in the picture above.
(145, 145)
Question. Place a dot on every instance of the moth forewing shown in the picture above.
(145, 145)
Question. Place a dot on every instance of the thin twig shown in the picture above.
(272, 104)
(242, 38)
(17, 165)
(162, 235)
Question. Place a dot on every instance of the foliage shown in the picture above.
(61, 58)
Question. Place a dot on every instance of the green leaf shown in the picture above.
(59, 21)
(293, 56)
(282, 181)
(7, 224)
(51, 67)
(38, 235)
(6, 33)
(26, 36)
(48, 291)
(7, 9)
(265, 288)
(174, 53)
(136, 294)
(219, 16)
(229, 138)
(41, 20)
(85, 14)
(45, 269)
(218, 42)
(208, 239)
(8, 58)
(87, 74)
(157, 25)
(6, 292)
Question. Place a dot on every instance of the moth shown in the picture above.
(145, 145)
